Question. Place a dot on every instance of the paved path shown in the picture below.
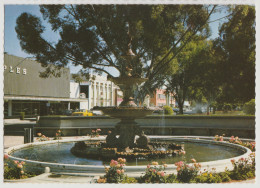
(18, 121)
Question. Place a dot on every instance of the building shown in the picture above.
(97, 91)
(25, 91)
(160, 99)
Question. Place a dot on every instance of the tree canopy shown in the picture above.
(235, 49)
(96, 36)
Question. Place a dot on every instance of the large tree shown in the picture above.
(236, 52)
(96, 36)
(185, 82)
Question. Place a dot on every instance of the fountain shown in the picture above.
(91, 154)
(127, 129)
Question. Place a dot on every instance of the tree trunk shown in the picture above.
(181, 108)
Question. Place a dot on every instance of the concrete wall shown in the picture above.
(74, 90)
(243, 126)
(28, 83)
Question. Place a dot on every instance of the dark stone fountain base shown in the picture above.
(99, 150)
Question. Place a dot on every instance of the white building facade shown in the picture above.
(95, 92)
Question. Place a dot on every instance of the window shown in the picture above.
(161, 96)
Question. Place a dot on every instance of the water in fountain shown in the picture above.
(202, 152)
(162, 123)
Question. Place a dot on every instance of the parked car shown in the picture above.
(97, 113)
(176, 110)
(82, 112)
(67, 112)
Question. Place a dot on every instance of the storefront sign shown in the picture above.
(18, 69)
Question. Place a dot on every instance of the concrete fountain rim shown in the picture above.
(219, 165)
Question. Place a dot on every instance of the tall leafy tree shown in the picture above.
(98, 36)
(236, 52)
(95, 36)
(185, 82)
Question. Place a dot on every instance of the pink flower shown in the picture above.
(6, 156)
(109, 132)
(122, 171)
(179, 164)
(158, 173)
(22, 162)
(193, 160)
(154, 170)
(22, 172)
(118, 171)
(16, 162)
(93, 131)
(242, 159)
(98, 129)
(164, 165)
(162, 174)
(19, 165)
(39, 134)
(148, 166)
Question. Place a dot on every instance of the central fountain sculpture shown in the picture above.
(127, 128)
(127, 111)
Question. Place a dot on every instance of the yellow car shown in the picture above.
(82, 112)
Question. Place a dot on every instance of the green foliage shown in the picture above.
(22, 115)
(235, 50)
(127, 179)
(15, 169)
(115, 173)
(168, 110)
(208, 177)
(95, 36)
(225, 176)
(227, 107)
(244, 168)
(154, 174)
(187, 173)
(249, 107)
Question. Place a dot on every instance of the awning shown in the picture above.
(34, 98)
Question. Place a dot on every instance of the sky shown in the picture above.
(12, 45)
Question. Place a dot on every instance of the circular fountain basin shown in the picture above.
(57, 156)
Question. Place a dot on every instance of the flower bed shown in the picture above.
(243, 168)
(14, 169)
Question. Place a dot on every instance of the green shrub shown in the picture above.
(186, 173)
(15, 169)
(249, 107)
(244, 168)
(22, 114)
(115, 173)
(208, 177)
(227, 107)
(225, 176)
(127, 179)
(171, 178)
(168, 110)
(154, 174)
